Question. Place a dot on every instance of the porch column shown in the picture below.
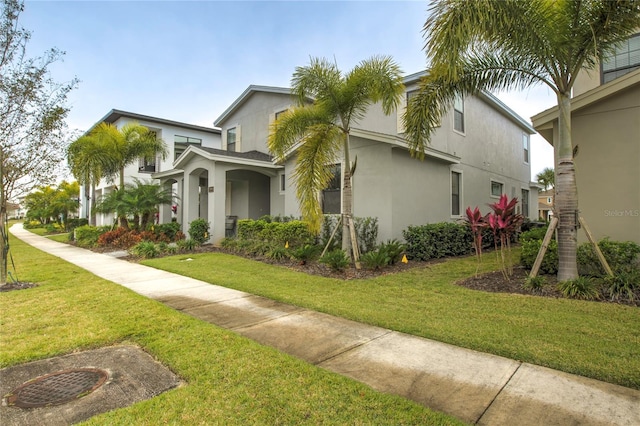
(216, 207)
(165, 209)
(191, 199)
(180, 203)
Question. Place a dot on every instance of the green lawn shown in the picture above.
(230, 380)
(597, 340)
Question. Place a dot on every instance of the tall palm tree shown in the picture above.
(329, 103)
(125, 146)
(501, 44)
(87, 160)
(546, 178)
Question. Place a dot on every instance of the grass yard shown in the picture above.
(230, 380)
(598, 340)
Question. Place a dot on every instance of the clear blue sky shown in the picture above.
(189, 60)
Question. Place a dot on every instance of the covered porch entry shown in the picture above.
(220, 187)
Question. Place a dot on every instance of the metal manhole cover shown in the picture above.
(57, 388)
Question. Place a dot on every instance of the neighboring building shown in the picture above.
(178, 136)
(545, 204)
(605, 121)
(15, 211)
(481, 151)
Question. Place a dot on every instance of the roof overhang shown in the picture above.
(488, 98)
(398, 142)
(246, 95)
(544, 121)
(195, 151)
(116, 114)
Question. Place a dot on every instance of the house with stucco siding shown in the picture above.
(605, 126)
(481, 150)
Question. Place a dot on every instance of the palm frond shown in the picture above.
(312, 174)
(319, 80)
(291, 127)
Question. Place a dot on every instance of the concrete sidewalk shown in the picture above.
(472, 386)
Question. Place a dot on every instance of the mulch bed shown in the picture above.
(20, 285)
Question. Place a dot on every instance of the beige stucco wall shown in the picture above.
(608, 166)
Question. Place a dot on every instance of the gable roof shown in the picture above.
(115, 114)
(488, 98)
(246, 95)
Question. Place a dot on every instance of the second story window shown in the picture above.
(458, 114)
(180, 143)
(623, 59)
(525, 147)
(231, 139)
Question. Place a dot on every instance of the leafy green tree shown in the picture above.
(329, 103)
(49, 203)
(32, 117)
(546, 178)
(501, 44)
(125, 146)
(138, 200)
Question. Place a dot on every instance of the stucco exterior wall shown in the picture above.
(253, 119)
(607, 135)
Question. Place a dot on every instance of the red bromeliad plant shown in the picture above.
(477, 223)
(504, 222)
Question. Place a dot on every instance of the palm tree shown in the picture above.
(546, 178)
(87, 160)
(500, 44)
(329, 103)
(140, 200)
(125, 146)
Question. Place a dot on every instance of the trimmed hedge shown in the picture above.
(437, 240)
(294, 232)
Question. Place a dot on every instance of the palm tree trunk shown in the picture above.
(92, 215)
(347, 199)
(124, 223)
(566, 194)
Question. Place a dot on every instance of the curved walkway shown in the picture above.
(475, 387)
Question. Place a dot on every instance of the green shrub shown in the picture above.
(580, 288)
(624, 285)
(294, 232)
(366, 232)
(87, 236)
(393, 250)
(145, 249)
(376, 259)
(534, 284)
(278, 253)
(199, 231)
(529, 253)
(187, 245)
(621, 256)
(168, 229)
(32, 224)
(54, 228)
(533, 234)
(75, 223)
(437, 240)
(336, 259)
(306, 253)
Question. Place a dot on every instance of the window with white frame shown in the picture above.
(231, 139)
(526, 147)
(623, 59)
(456, 199)
(496, 188)
(524, 202)
(458, 114)
(282, 182)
